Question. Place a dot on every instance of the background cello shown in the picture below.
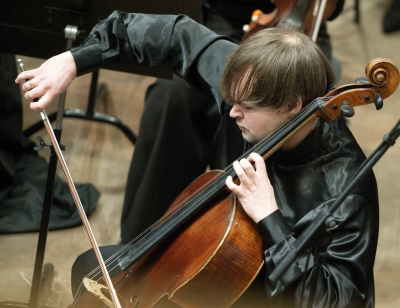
(293, 14)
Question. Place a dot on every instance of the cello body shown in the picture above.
(209, 262)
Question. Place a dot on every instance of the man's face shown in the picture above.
(257, 122)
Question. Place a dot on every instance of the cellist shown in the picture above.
(265, 81)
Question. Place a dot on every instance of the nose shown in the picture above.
(235, 112)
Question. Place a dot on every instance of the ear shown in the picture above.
(296, 109)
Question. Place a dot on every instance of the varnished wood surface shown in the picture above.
(101, 154)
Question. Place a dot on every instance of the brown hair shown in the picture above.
(274, 67)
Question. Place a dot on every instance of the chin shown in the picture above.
(250, 139)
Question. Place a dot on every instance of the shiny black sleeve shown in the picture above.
(178, 43)
(338, 275)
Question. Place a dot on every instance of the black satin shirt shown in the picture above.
(305, 179)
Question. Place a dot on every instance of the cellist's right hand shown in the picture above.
(49, 80)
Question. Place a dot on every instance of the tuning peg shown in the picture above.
(378, 100)
(346, 110)
(246, 28)
(362, 80)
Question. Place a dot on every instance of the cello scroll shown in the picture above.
(383, 79)
(381, 71)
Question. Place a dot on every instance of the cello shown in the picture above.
(178, 259)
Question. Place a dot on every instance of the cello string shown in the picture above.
(184, 201)
(227, 170)
(127, 247)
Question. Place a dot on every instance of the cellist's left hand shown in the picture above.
(255, 191)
